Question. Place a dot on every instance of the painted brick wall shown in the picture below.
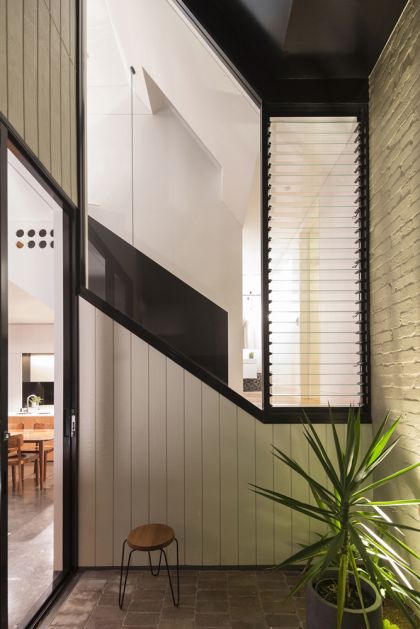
(38, 81)
(395, 239)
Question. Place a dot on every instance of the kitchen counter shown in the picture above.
(31, 414)
(29, 419)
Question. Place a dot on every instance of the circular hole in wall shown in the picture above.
(31, 244)
(31, 233)
(42, 244)
(19, 244)
(20, 233)
(42, 233)
(52, 244)
(52, 233)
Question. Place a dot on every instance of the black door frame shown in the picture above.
(9, 138)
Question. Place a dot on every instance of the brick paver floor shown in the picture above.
(230, 598)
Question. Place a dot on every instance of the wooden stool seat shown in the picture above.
(150, 537)
(147, 538)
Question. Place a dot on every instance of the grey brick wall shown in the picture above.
(395, 238)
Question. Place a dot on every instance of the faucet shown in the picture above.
(27, 401)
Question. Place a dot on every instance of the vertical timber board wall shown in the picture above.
(156, 444)
(395, 240)
(38, 81)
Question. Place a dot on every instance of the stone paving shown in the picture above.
(236, 599)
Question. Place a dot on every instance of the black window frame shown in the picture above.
(294, 414)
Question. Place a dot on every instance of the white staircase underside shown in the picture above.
(161, 44)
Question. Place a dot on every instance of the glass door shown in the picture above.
(38, 386)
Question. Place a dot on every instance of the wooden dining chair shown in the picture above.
(18, 459)
(27, 448)
(48, 449)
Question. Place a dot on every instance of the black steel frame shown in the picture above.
(9, 138)
(3, 377)
(317, 414)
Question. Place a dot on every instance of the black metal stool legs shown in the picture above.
(175, 601)
(122, 595)
(155, 573)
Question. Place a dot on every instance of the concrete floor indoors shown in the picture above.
(239, 599)
(31, 543)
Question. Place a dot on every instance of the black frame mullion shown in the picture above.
(3, 380)
(265, 301)
(364, 256)
(81, 144)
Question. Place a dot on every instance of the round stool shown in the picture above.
(147, 538)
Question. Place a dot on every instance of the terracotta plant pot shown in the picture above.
(322, 614)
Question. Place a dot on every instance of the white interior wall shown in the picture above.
(30, 207)
(179, 219)
(25, 339)
(178, 215)
(251, 279)
(158, 37)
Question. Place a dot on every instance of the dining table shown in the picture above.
(38, 437)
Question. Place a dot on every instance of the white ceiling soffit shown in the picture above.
(156, 36)
(108, 70)
(24, 308)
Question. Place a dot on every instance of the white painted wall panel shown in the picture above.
(157, 436)
(316, 471)
(193, 472)
(157, 444)
(299, 488)
(87, 427)
(122, 437)
(139, 436)
(283, 485)
(228, 482)
(104, 440)
(211, 476)
(264, 472)
(246, 498)
(175, 459)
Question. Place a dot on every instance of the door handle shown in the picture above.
(6, 435)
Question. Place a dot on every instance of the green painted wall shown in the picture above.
(38, 81)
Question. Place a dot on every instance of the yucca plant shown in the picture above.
(362, 538)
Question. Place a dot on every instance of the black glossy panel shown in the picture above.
(272, 40)
(45, 390)
(157, 300)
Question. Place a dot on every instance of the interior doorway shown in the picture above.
(38, 387)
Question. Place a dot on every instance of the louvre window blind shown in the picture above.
(314, 266)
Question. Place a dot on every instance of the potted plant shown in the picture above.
(36, 401)
(363, 551)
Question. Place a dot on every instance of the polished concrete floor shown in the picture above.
(30, 537)
(230, 599)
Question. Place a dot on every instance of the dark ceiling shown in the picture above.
(274, 44)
